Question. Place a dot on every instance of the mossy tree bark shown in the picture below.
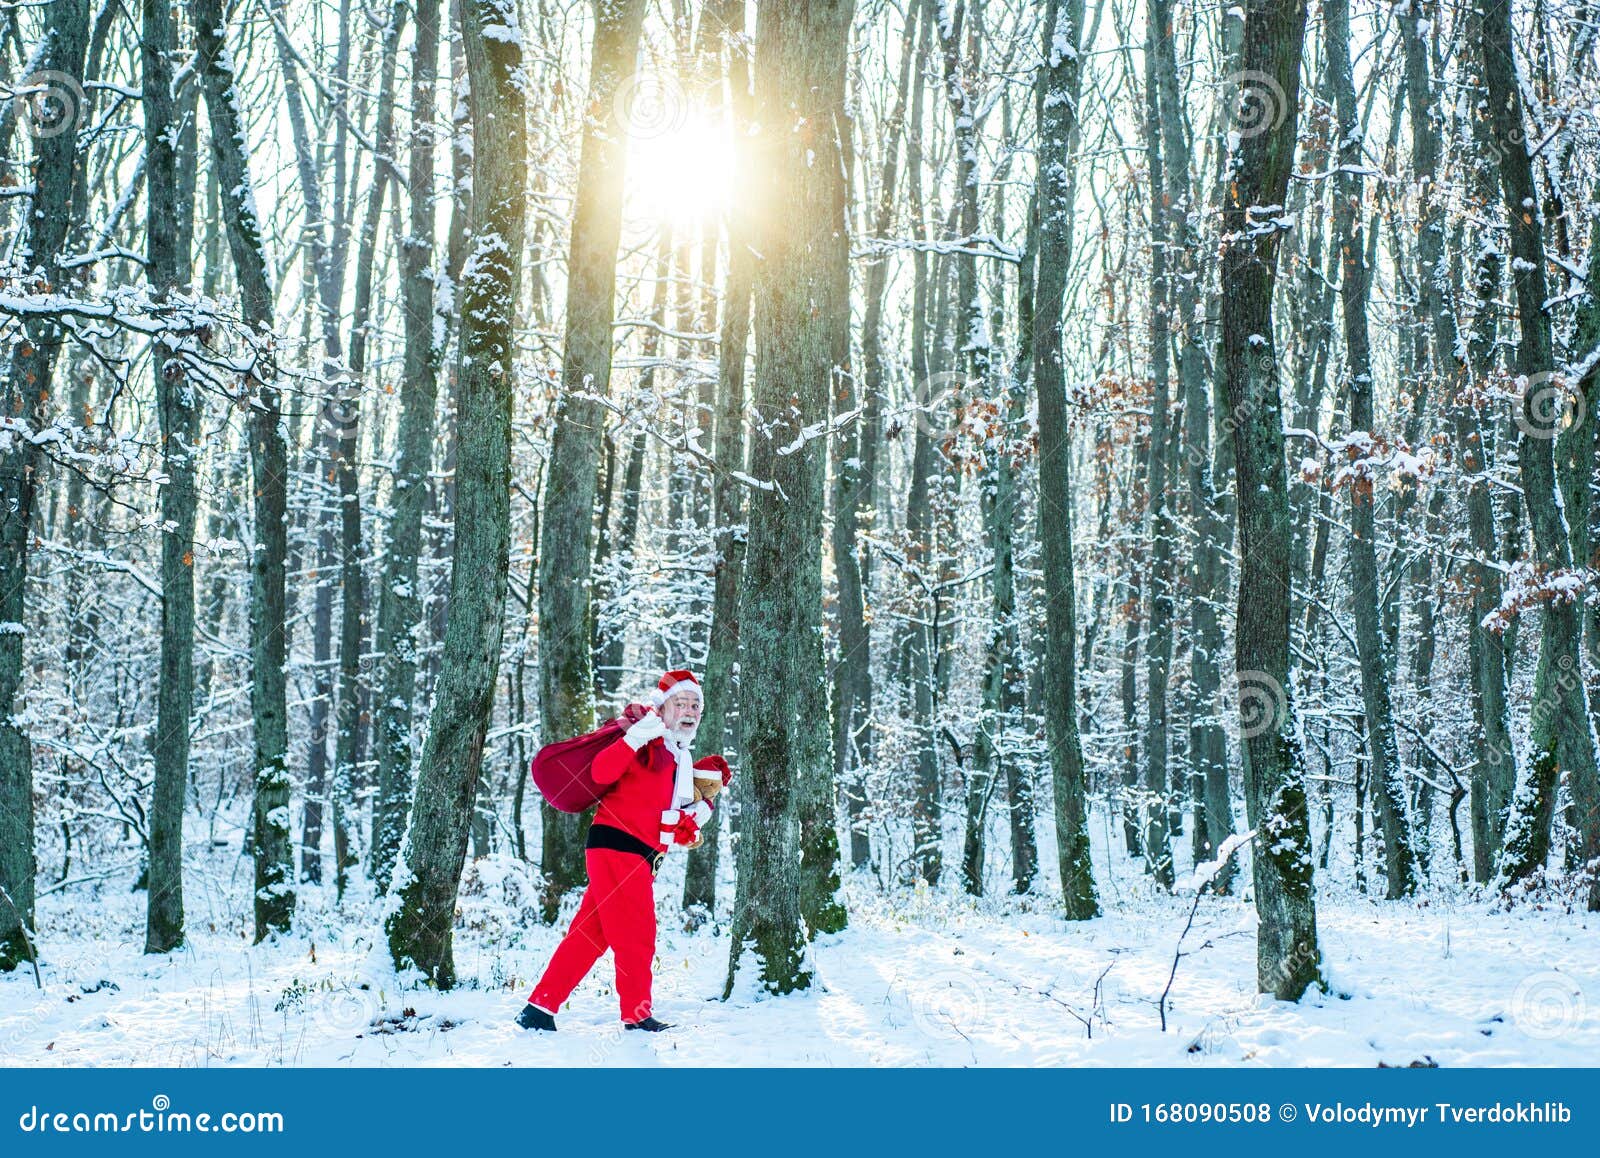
(788, 848)
(269, 463)
(178, 400)
(1057, 113)
(27, 388)
(1559, 737)
(1287, 954)
(566, 679)
(420, 927)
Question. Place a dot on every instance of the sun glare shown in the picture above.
(680, 170)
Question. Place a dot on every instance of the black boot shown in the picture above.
(532, 1017)
(649, 1024)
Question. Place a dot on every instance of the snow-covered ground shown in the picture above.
(919, 978)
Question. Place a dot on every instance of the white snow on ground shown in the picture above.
(919, 978)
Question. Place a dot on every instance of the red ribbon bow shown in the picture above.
(685, 830)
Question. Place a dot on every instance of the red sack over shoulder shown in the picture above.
(564, 771)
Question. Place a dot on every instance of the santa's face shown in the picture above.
(681, 714)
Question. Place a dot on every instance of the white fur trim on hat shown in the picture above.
(672, 683)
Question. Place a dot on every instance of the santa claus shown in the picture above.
(658, 800)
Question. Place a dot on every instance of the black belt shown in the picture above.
(617, 840)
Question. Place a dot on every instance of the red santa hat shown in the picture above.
(672, 683)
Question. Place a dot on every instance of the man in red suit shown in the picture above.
(649, 809)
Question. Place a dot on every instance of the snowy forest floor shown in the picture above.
(921, 977)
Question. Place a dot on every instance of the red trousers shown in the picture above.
(618, 912)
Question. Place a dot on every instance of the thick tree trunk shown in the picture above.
(566, 698)
(717, 728)
(1287, 954)
(915, 645)
(399, 600)
(1494, 767)
(1372, 648)
(1156, 840)
(801, 314)
(179, 404)
(1057, 112)
(269, 461)
(828, 257)
(420, 925)
(27, 390)
(1559, 736)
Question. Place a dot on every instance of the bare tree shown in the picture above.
(269, 461)
(801, 308)
(399, 601)
(1287, 953)
(1349, 239)
(566, 681)
(167, 240)
(1059, 83)
(27, 388)
(420, 927)
(1560, 736)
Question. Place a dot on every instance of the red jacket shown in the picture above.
(643, 789)
(643, 786)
